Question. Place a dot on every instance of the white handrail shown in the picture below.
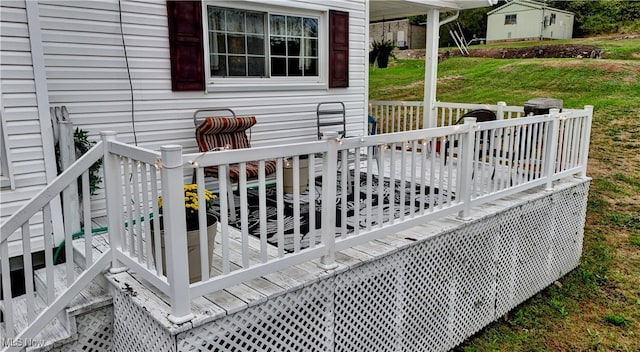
(446, 170)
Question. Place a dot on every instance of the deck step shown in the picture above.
(54, 333)
(94, 296)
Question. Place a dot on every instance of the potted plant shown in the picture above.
(384, 50)
(192, 209)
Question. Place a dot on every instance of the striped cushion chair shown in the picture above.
(220, 133)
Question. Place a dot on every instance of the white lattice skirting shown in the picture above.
(427, 296)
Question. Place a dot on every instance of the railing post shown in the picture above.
(552, 147)
(586, 138)
(500, 111)
(466, 180)
(329, 184)
(175, 234)
(113, 196)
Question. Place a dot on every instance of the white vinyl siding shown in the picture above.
(87, 72)
(21, 130)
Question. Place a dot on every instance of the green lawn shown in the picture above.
(597, 306)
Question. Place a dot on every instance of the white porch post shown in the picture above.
(552, 147)
(113, 195)
(431, 67)
(175, 230)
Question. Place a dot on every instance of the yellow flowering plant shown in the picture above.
(192, 206)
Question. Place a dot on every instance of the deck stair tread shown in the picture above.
(54, 333)
(94, 295)
(59, 331)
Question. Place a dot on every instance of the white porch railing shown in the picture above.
(398, 116)
(432, 173)
(43, 307)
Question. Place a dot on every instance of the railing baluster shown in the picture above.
(412, 191)
(263, 212)
(156, 220)
(296, 203)
(203, 236)
(244, 216)
(344, 188)
(423, 171)
(380, 190)
(48, 252)
(356, 195)
(86, 213)
(392, 175)
(280, 210)
(136, 226)
(224, 215)
(68, 246)
(403, 179)
(312, 200)
(7, 299)
(455, 139)
(28, 271)
(146, 213)
(128, 217)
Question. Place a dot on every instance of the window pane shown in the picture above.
(235, 20)
(237, 66)
(216, 43)
(278, 66)
(278, 46)
(255, 23)
(293, 47)
(255, 45)
(256, 66)
(218, 65)
(236, 44)
(277, 25)
(295, 68)
(311, 27)
(237, 38)
(216, 18)
(294, 26)
(310, 67)
(310, 47)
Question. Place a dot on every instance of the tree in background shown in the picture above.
(601, 17)
(591, 18)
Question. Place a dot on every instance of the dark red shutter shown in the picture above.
(338, 49)
(185, 45)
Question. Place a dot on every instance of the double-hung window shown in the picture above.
(246, 43)
(249, 45)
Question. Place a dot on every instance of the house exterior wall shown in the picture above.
(561, 29)
(88, 68)
(529, 24)
(414, 36)
(25, 144)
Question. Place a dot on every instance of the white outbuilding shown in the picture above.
(528, 20)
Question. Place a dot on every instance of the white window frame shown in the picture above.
(244, 84)
(515, 19)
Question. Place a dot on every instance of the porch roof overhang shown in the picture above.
(391, 9)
